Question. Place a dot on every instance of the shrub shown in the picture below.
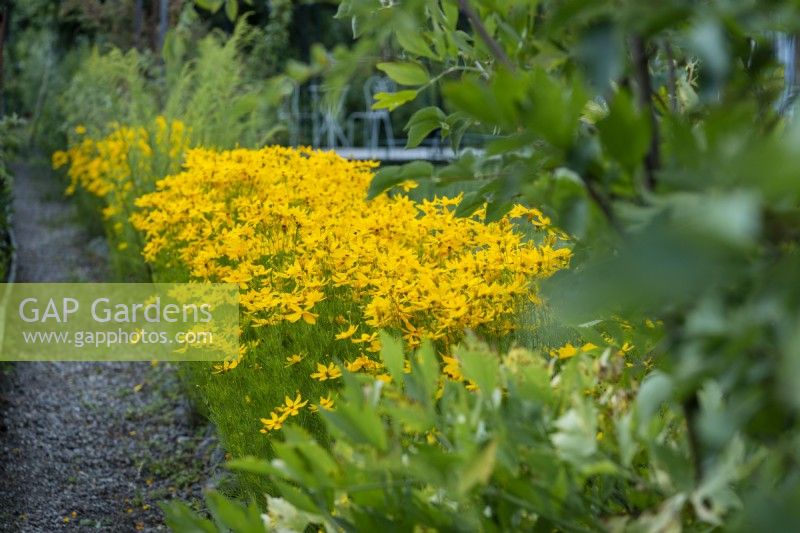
(109, 88)
(9, 143)
(572, 446)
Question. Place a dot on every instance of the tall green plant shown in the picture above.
(108, 88)
(221, 105)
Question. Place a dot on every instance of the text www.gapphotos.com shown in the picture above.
(79, 339)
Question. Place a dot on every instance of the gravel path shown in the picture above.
(87, 446)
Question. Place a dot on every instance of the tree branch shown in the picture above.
(477, 24)
(641, 65)
(602, 203)
(691, 409)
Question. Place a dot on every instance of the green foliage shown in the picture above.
(10, 127)
(539, 446)
(229, 516)
(205, 86)
(405, 73)
(653, 134)
(422, 123)
(107, 88)
(214, 96)
(209, 90)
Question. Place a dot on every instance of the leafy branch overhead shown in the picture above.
(655, 135)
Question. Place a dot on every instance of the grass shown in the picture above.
(235, 401)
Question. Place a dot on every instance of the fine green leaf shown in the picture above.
(232, 515)
(392, 355)
(422, 123)
(231, 9)
(181, 519)
(388, 177)
(480, 367)
(413, 42)
(625, 133)
(209, 5)
(392, 101)
(405, 73)
(480, 469)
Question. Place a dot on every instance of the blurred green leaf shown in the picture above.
(253, 465)
(392, 355)
(181, 519)
(392, 101)
(412, 41)
(480, 367)
(231, 9)
(424, 376)
(422, 123)
(233, 516)
(708, 41)
(555, 108)
(405, 73)
(575, 438)
(655, 390)
(359, 425)
(479, 470)
(731, 219)
(388, 177)
(601, 54)
(624, 132)
(209, 5)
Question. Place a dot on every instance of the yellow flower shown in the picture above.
(293, 360)
(226, 366)
(626, 347)
(365, 337)
(324, 373)
(452, 368)
(347, 333)
(80, 129)
(362, 362)
(298, 313)
(334, 371)
(326, 403)
(408, 185)
(292, 407)
(59, 159)
(564, 352)
(274, 422)
(321, 374)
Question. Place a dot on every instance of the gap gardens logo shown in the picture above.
(119, 321)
